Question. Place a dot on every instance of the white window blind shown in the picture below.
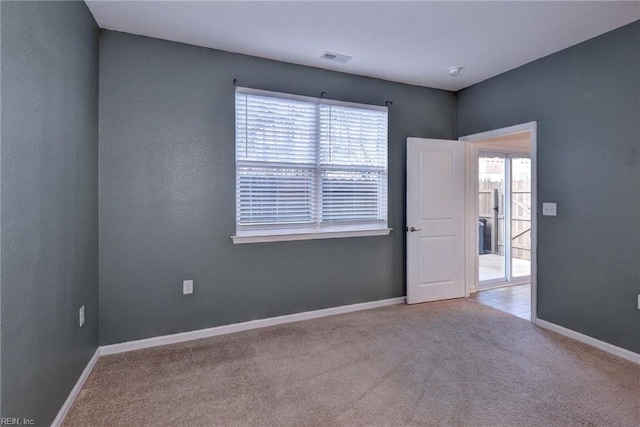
(306, 165)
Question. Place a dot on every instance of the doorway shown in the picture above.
(501, 200)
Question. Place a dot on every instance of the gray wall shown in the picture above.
(167, 192)
(49, 203)
(586, 100)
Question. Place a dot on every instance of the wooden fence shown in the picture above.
(492, 192)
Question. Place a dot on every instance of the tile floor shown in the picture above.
(514, 299)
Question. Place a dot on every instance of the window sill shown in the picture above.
(261, 238)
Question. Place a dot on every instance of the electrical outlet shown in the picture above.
(187, 287)
(81, 316)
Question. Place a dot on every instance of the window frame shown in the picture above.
(318, 231)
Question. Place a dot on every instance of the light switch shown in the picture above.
(187, 287)
(549, 209)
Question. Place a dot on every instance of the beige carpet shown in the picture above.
(455, 363)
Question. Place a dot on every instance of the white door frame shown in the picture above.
(472, 206)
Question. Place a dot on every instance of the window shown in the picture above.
(308, 168)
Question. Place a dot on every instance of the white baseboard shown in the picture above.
(57, 422)
(244, 326)
(279, 320)
(609, 348)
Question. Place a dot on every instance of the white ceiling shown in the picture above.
(412, 42)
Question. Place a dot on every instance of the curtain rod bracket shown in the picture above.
(235, 82)
(388, 103)
(323, 94)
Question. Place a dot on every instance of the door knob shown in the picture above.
(412, 229)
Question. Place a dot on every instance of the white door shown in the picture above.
(435, 220)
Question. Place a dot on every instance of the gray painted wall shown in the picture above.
(49, 203)
(586, 100)
(167, 192)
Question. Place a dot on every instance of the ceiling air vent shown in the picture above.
(335, 57)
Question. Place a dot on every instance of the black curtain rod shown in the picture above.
(322, 94)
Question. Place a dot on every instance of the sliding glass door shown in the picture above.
(504, 223)
(520, 219)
